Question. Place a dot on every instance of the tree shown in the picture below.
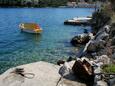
(113, 4)
(42, 3)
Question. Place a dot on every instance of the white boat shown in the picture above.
(82, 18)
(30, 27)
(79, 21)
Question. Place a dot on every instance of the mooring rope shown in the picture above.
(20, 71)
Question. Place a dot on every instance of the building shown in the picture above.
(71, 3)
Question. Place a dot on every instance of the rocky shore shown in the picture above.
(98, 52)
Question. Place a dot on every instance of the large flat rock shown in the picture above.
(46, 74)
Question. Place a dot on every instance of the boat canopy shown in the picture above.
(30, 26)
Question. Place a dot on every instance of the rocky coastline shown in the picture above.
(98, 52)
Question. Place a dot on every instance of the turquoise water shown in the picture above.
(18, 48)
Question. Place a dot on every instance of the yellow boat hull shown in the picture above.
(31, 31)
(30, 28)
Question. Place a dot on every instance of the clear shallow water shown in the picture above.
(18, 48)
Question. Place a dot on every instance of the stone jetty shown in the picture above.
(79, 21)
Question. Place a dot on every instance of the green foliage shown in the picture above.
(52, 3)
(41, 3)
(109, 68)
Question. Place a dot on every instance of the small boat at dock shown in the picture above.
(82, 18)
(30, 28)
(79, 21)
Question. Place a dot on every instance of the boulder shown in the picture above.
(95, 46)
(68, 78)
(80, 39)
(113, 41)
(113, 58)
(83, 70)
(103, 59)
(111, 82)
(46, 74)
(112, 32)
(36, 74)
(101, 83)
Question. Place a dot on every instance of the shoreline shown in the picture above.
(78, 6)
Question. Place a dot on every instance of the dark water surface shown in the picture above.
(18, 48)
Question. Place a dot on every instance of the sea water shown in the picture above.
(17, 48)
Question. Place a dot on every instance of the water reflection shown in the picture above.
(35, 38)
